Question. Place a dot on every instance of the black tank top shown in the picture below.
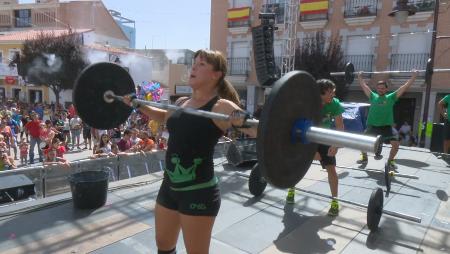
(189, 156)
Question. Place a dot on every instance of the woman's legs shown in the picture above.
(197, 232)
(167, 227)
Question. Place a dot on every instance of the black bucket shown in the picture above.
(89, 188)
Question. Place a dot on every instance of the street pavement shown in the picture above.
(248, 224)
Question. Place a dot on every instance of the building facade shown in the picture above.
(371, 40)
(19, 22)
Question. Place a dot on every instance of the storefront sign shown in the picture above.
(10, 80)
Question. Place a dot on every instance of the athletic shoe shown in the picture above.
(363, 159)
(378, 157)
(334, 208)
(290, 196)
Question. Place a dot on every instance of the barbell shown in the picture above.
(257, 185)
(349, 72)
(287, 139)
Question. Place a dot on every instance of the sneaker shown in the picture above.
(392, 164)
(378, 157)
(290, 196)
(334, 208)
(363, 159)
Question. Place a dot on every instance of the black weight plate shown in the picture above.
(233, 155)
(89, 89)
(375, 209)
(387, 179)
(349, 73)
(283, 163)
(256, 182)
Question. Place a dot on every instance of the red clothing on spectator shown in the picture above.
(33, 128)
(71, 111)
(124, 145)
(60, 151)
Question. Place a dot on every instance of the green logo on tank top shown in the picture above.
(181, 174)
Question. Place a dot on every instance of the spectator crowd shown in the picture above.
(54, 131)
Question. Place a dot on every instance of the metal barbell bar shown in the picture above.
(313, 134)
(386, 72)
(349, 72)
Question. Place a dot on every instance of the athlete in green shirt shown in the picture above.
(444, 109)
(381, 113)
(331, 112)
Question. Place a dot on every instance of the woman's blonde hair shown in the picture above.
(219, 63)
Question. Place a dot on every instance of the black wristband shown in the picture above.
(244, 125)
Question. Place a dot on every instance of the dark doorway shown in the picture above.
(404, 111)
(2, 94)
(16, 93)
(35, 96)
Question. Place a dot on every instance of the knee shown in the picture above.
(164, 244)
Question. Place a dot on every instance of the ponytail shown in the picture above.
(227, 91)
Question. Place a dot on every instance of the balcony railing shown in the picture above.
(243, 23)
(407, 62)
(360, 8)
(313, 17)
(238, 66)
(361, 62)
(423, 5)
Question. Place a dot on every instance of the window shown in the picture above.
(277, 7)
(1, 56)
(359, 51)
(23, 18)
(12, 54)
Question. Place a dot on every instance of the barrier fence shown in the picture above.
(53, 179)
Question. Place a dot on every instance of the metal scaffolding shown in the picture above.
(290, 25)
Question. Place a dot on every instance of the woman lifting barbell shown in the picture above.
(189, 197)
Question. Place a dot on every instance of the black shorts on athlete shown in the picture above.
(447, 130)
(199, 202)
(385, 131)
(326, 160)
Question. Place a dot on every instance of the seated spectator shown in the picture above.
(58, 147)
(134, 137)
(104, 145)
(125, 143)
(145, 145)
(52, 159)
(6, 162)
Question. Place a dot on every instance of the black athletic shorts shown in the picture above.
(385, 131)
(325, 160)
(200, 202)
(447, 130)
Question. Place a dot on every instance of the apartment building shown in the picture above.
(371, 40)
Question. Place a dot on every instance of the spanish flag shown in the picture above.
(238, 14)
(313, 6)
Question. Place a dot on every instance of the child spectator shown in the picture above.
(23, 147)
(52, 159)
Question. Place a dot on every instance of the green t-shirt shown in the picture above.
(329, 111)
(447, 101)
(381, 111)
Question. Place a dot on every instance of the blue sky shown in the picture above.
(170, 24)
(167, 24)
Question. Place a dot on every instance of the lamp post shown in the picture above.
(401, 12)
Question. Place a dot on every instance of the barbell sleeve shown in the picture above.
(313, 134)
(343, 139)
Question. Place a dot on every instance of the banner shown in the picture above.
(313, 6)
(238, 14)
